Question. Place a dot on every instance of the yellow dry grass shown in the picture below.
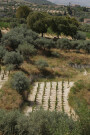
(58, 67)
(9, 98)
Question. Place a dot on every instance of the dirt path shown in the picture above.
(3, 78)
(5, 31)
(85, 72)
(50, 96)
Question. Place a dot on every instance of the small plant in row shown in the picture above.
(68, 81)
(37, 93)
(62, 95)
(43, 92)
(48, 103)
(56, 97)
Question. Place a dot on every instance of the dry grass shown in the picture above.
(58, 67)
(9, 99)
(81, 92)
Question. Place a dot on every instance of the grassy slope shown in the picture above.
(79, 99)
(80, 92)
(58, 67)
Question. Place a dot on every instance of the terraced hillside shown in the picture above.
(50, 96)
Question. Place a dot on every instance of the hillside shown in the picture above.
(40, 2)
(77, 2)
(44, 70)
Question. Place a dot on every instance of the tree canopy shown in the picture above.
(13, 58)
(19, 82)
(38, 22)
(65, 25)
(23, 12)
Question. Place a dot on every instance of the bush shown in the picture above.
(2, 52)
(38, 123)
(17, 36)
(19, 82)
(85, 45)
(44, 43)
(85, 27)
(75, 44)
(0, 34)
(55, 54)
(27, 50)
(42, 64)
(64, 44)
(13, 58)
(80, 36)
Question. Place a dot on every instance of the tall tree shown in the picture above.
(38, 22)
(23, 12)
(65, 25)
(69, 10)
(0, 34)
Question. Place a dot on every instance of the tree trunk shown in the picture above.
(42, 34)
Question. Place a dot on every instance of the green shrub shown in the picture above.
(41, 64)
(80, 35)
(4, 24)
(85, 45)
(13, 58)
(19, 82)
(55, 54)
(27, 50)
(38, 123)
(0, 35)
(64, 44)
(17, 36)
(45, 43)
(75, 44)
(2, 52)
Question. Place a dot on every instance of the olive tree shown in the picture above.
(64, 44)
(17, 36)
(13, 58)
(80, 35)
(85, 45)
(26, 50)
(0, 35)
(19, 82)
(2, 52)
(41, 64)
(45, 43)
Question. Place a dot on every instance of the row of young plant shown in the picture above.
(49, 100)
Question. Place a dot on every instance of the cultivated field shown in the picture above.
(50, 96)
